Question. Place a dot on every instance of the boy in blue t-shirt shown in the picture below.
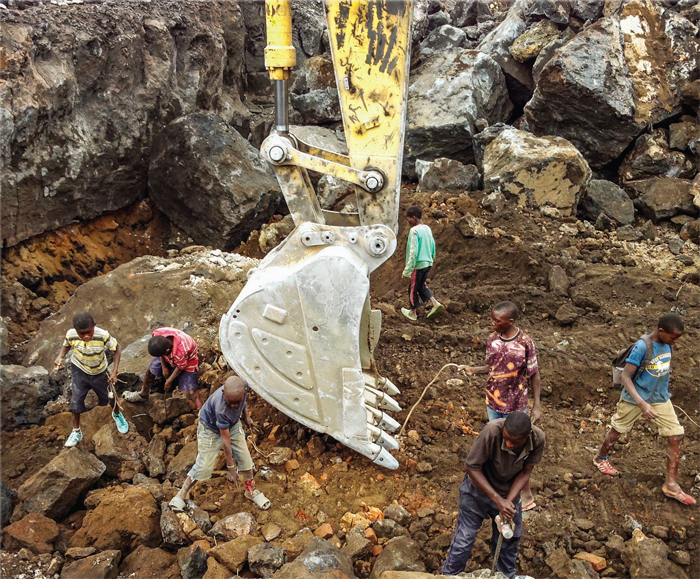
(649, 396)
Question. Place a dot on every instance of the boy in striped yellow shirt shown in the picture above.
(89, 368)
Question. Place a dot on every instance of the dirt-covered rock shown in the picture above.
(447, 175)
(607, 198)
(122, 454)
(546, 171)
(399, 554)
(652, 157)
(319, 557)
(104, 565)
(529, 44)
(34, 532)
(124, 519)
(663, 197)
(54, 489)
(649, 558)
(265, 559)
(148, 563)
(233, 554)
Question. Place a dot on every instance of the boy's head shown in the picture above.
(671, 328)
(413, 215)
(84, 324)
(159, 346)
(503, 316)
(234, 391)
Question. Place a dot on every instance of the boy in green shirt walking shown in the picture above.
(420, 254)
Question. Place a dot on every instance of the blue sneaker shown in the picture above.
(75, 437)
(122, 424)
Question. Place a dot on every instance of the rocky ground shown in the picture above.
(584, 293)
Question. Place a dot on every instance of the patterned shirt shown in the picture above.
(511, 362)
(90, 356)
(184, 352)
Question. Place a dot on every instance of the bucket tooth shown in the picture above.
(381, 399)
(383, 384)
(381, 419)
(385, 459)
(382, 438)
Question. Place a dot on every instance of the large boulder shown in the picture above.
(607, 198)
(529, 44)
(611, 81)
(123, 519)
(537, 171)
(652, 157)
(84, 89)
(103, 565)
(182, 463)
(264, 559)
(234, 554)
(34, 532)
(121, 453)
(318, 559)
(662, 198)
(54, 489)
(199, 283)
(649, 558)
(25, 391)
(237, 189)
(147, 563)
(314, 94)
(447, 175)
(445, 37)
(467, 12)
(399, 554)
(446, 96)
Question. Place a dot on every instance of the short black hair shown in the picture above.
(670, 323)
(83, 321)
(158, 346)
(507, 308)
(518, 424)
(414, 211)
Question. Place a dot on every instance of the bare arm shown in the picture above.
(117, 359)
(505, 506)
(536, 389)
(520, 482)
(232, 474)
(645, 407)
(471, 370)
(58, 362)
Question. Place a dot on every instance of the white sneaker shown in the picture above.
(75, 437)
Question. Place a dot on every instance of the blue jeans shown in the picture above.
(495, 414)
(473, 509)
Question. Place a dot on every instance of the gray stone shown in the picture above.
(171, 529)
(182, 463)
(272, 234)
(680, 557)
(7, 495)
(529, 44)
(280, 455)
(398, 514)
(652, 157)
(264, 559)
(330, 190)
(54, 489)
(242, 192)
(628, 233)
(558, 281)
(482, 139)
(443, 38)
(154, 457)
(25, 392)
(65, 144)
(270, 531)
(607, 198)
(563, 566)
(587, 9)
(466, 12)
(192, 561)
(447, 175)
(318, 106)
(438, 20)
(683, 133)
(536, 171)
(691, 230)
(675, 246)
(357, 546)
(495, 202)
(114, 448)
(446, 96)
(662, 198)
(388, 529)
(234, 526)
(399, 554)
(4, 338)
(319, 556)
(104, 565)
(599, 92)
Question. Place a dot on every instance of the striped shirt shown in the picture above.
(184, 352)
(90, 356)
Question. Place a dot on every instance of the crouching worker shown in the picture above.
(220, 425)
(175, 358)
(89, 370)
(499, 466)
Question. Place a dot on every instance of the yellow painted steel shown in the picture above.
(280, 55)
(370, 46)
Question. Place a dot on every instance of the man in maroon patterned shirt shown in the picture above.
(511, 365)
(175, 358)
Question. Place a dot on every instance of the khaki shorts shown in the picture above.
(667, 421)
(208, 446)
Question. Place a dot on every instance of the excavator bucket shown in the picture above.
(302, 331)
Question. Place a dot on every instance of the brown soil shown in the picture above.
(470, 275)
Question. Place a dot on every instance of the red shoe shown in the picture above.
(680, 496)
(605, 467)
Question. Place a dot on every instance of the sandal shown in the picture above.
(605, 467)
(680, 496)
(436, 312)
(531, 505)
(177, 505)
(259, 499)
(133, 397)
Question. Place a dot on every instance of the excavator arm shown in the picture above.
(302, 331)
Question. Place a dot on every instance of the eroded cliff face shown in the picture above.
(83, 89)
